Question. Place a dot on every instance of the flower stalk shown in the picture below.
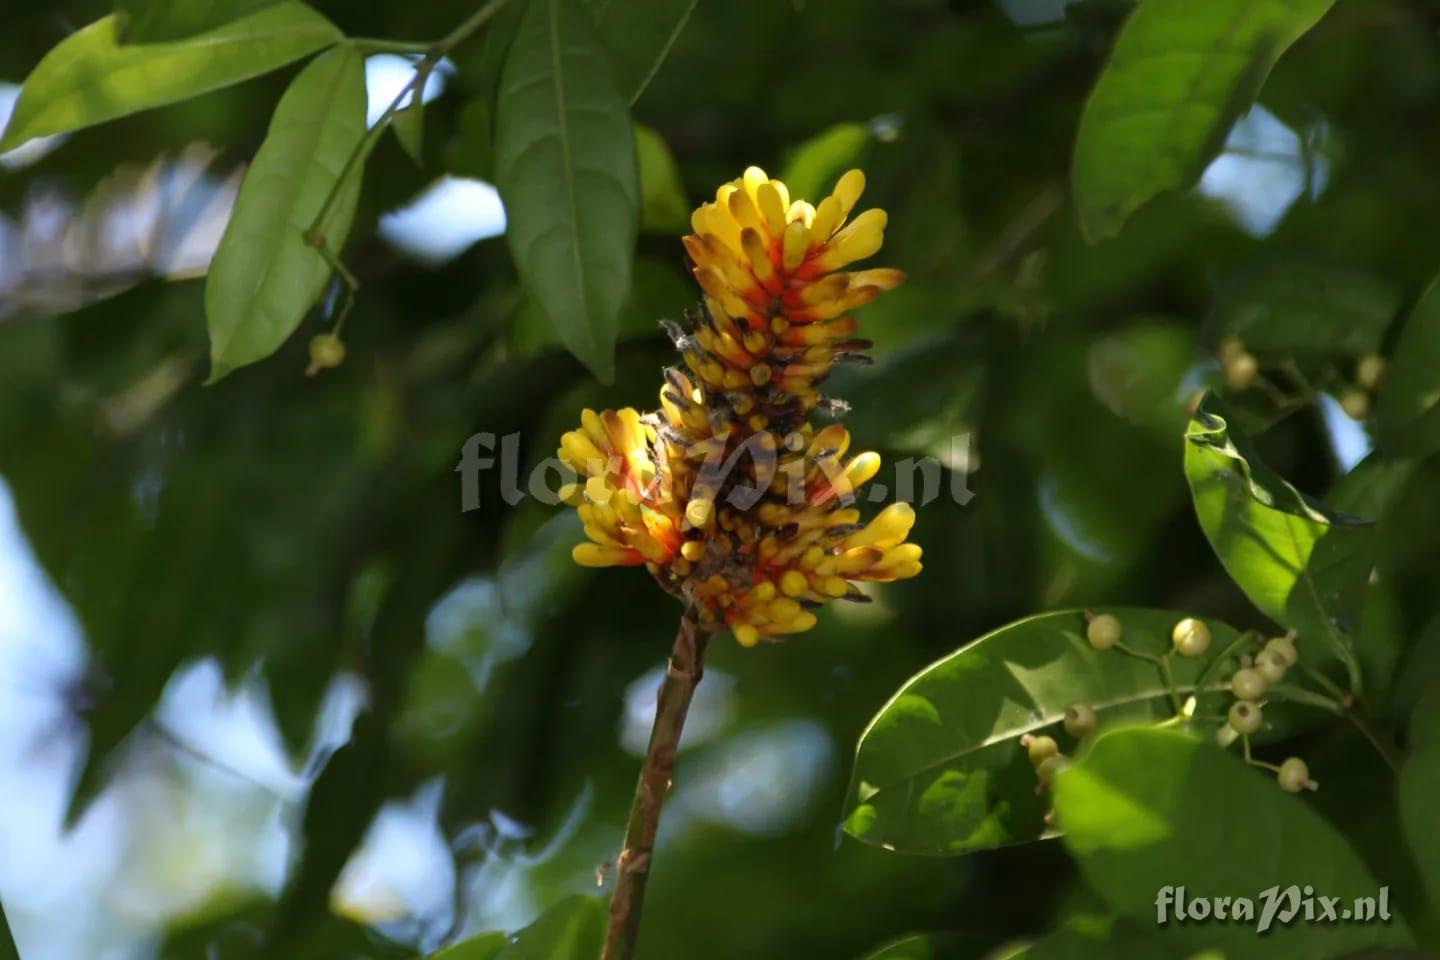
(633, 865)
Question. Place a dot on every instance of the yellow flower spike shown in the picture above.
(848, 190)
(861, 239)
(774, 320)
(771, 206)
(793, 583)
(890, 527)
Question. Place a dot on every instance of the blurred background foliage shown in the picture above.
(259, 674)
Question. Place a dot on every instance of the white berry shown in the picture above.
(1244, 717)
(1104, 631)
(1191, 637)
(1248, 684)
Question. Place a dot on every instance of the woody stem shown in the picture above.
(633, 865)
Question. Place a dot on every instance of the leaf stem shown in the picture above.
(632, 868)
(1167, 672)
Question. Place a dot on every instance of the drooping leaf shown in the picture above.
(161, 21)
(1308, 310)
(812, 169)
(1407, 412)
(266, 276)
(570, 930)
(1418, 784)
(565, 167)
(1147, 809)
(638, 35)
(486, 946)
(90, 77)
(940, 769)
(1302, 565)
(664, 207)
(1179, 75)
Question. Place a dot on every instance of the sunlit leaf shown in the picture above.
(266, 276)
(1147, 809)
(1179, 75)
(90, 77)
(939, 770)
(565, 166)
(1407, 414)
(638, 35)
(1302, 565)
(1419, 783)
(664, 207)
(160, 21)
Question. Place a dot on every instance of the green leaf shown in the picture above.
(265, 275)
(1407, 412)
(814, 166)
(1308, 310)
(1180, 73)
(1148, 809)
(487, 946)
(472, 151)
(638, 35)
(658, 289)
(90, 77)
(940, 770)
(565, 167)
(932, 946)
(664, 208)
(160, 21)
(1302, 565)
(1087, 937)
(409, 121)
(7, 941)
(1418, 784)
(570, 930)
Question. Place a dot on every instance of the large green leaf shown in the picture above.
(1180, 73)
(1304, 566)
(487, 946)
(939, 770)
(664, 208)
(1407, 414)
(265, 275)
(160, 21)
(638, 35)
(570, 930)
(1308, 309)
(90, 77)
(1419, 783)
(1148, 809)
(565, 166)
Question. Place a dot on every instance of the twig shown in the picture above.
(632, 867)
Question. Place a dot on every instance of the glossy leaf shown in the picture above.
(265, 276)
(1179, 75)
(161, 21)
(1304, 566)
(1307, 309)
(812, 169)
(940, 769)
(90, 77)
(1419, 783)
(664, 208)
(565, 166)
(638, 35)
(1407, 413)
(570, 930)
(1148, 808)
(486, 946)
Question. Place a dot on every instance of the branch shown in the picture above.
(632, 868)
